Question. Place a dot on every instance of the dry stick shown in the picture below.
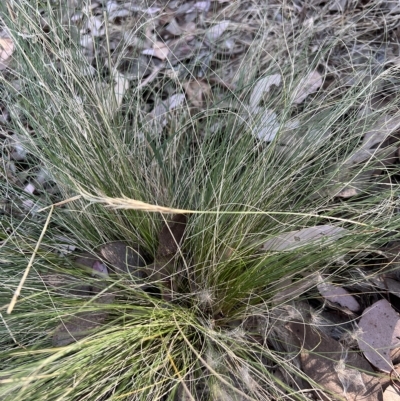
(21, 283)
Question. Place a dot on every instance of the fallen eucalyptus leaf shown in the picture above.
(78, 327)
(123, 258)
(372, 140)
(338, 295)
(100, 269)
(307, 85)
(217, 30)
(380, 332)
(161, 108)
(263, 86)
(296, 239)
(266, 125)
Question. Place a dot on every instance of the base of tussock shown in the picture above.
(117, 176)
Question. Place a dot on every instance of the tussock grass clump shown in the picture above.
(245, 167)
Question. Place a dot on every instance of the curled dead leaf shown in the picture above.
(307, 85)
(262, 87)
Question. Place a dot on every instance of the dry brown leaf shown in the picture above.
(372, 140)
(266, 125)
(197, 92)
(179, 50)
(338, 295)
(173, 28)
(78, 327)
(6, 50)
(262, 87)
(380, 332)
(336, 369)
(123, 258)
(307, 85)
(217, 30)
(170, 236)
(160, 50)
(162, 107)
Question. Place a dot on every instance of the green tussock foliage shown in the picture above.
(221, 338)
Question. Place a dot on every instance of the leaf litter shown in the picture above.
(331, 366)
